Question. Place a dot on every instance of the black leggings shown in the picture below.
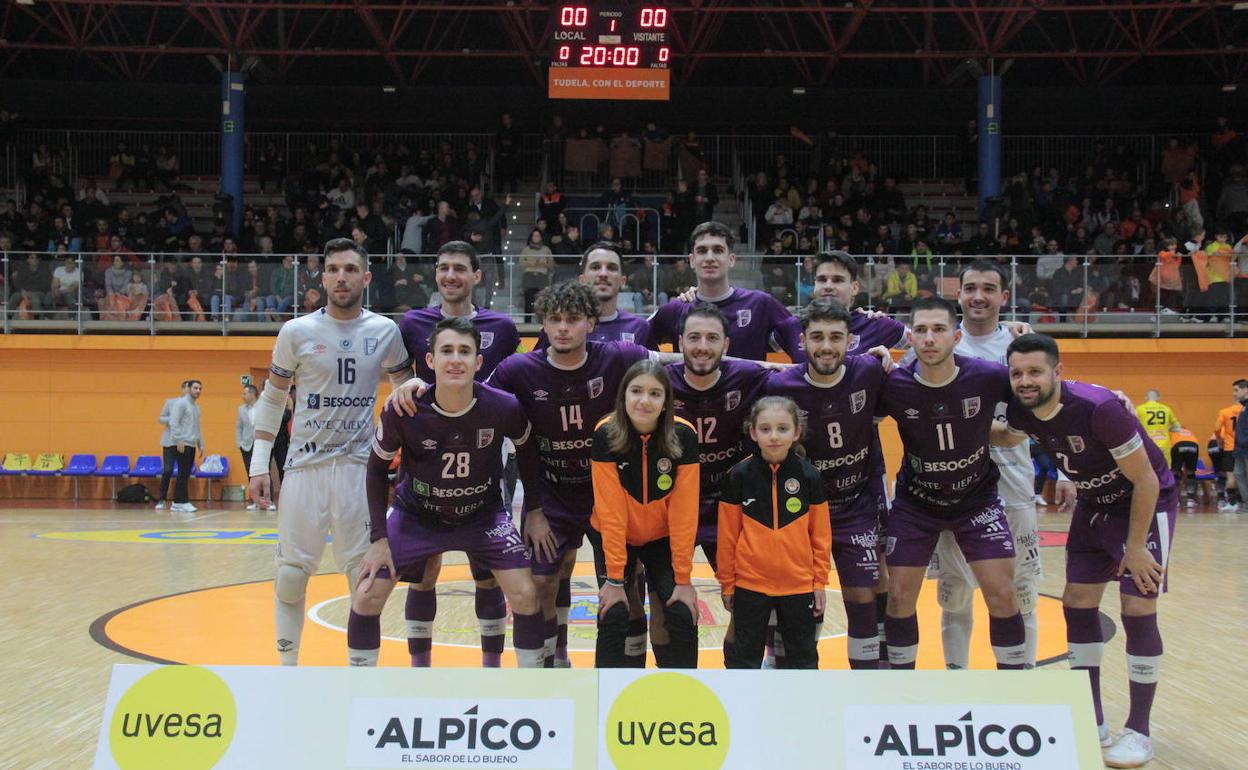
(795, 623)
(656, 557)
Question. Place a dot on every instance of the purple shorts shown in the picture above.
(982, 533)
(569, 531)
(491, 542)
(856, 541)
(1098, 539)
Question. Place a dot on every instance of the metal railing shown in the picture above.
(197, 294)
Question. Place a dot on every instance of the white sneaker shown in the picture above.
(1102, 732)
(160, 505)
(1040, 500)
(272, 507)
(1132, 749)
(1227, 507)
(769, 662)
(189, 508)
(252, 506)
(1191, 503)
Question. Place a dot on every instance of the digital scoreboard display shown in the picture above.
(610, 51)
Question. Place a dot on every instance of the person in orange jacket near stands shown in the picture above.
(646, 480)
(775, 541)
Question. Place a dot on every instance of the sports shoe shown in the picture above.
(272, 507)
(1191, 503)
(1131, 749)
(183, 508)
(769, 662)
(1040, 500)
(160, 505)
(1227, 507)
(1102, 732)
(563, 663)
(252, 506)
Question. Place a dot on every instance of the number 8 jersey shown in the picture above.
(336, 366)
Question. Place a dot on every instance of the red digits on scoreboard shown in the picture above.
(573, 16)
(565, 52)
(664, 54)
(654, 17)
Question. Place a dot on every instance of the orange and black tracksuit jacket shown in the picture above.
(640, 497)
(775, 534)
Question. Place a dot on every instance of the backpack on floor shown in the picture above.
(134, 493)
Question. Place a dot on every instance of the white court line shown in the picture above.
(315, 610)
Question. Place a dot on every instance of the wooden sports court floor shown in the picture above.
(95, 584)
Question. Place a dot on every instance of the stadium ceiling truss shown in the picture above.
(405, 43)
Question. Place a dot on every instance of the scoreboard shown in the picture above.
(610, 51)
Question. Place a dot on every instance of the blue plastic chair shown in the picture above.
(146, 467)
(79, 466)
(210, 476)
(113, 467)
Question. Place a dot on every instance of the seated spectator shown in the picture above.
(1066, 292)
(66, 279)
(410, 287)
(948, 236)
(252, 292)
(778, 216)
(281, 290)
(309, 290)
(616, 203)
(901, 288)
(137, 293)
(167, 168)
(342, 196)
(30, 286)
(116, 302)
(170, 292)
(536, 262)
(121, 166)
(199, 288)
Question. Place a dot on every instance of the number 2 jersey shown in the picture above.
(336, 366)
(564, 405)
(945, 429)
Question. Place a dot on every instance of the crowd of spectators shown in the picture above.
(1113, 234)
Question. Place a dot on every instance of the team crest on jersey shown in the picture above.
(732, 399)
(487, 339)
(421, 487)
(743, 317)
(345, 344)
(370, 345)
(791, 486)
(970, 407)
(314, 400)
(485, 437)
(664, 465)
(857, 400)
(540, 395)
(1076, 443)
(429, 444)
(628, 337)
(595, 387)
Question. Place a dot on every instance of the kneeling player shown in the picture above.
(646, 476)
(1121, 529)
(774, 556)
(450, 495)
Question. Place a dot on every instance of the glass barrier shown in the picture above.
(1087, 295)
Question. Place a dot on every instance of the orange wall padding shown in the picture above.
(102, 394)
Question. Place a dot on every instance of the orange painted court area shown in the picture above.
(232, 625)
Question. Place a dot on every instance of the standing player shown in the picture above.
(1158, 420)
(457, 274)
(1121, 529)
(753, 316)
(1224, 431)
(981, 295)
(944, 407)
(565, 390)
(837, 397)
(450, 493)
(338, 354)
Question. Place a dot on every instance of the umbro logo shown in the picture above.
(429, 444)
(912, 414)
(540, 395)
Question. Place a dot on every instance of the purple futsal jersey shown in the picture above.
(865, 333)
(564, 405)
(499, 337)
(620, 327)
(718, 415)
(1088, 434)
(752, 318)
(840, 434)
(945, 429)
(452, 466)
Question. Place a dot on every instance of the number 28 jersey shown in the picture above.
(336, 366)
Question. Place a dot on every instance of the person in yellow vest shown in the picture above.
(1158, 420)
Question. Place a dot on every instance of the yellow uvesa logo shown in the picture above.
(667, 721)
(176, 716)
